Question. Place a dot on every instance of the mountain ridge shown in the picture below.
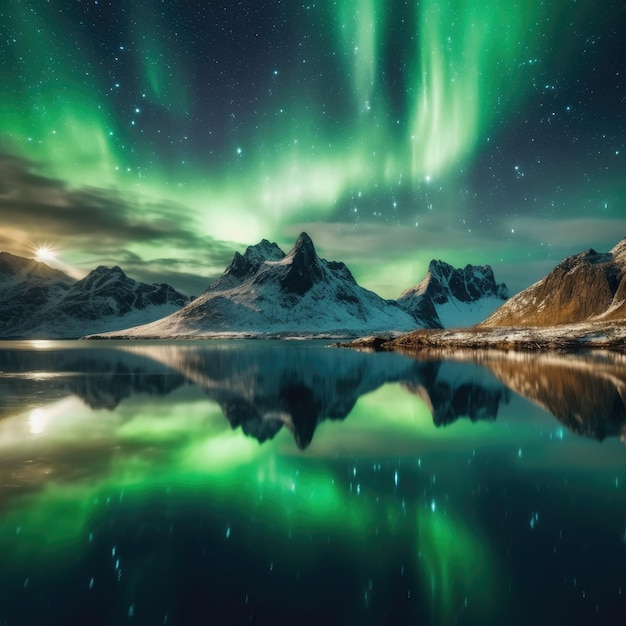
(261, 292)
(41, 302)
(265, 292)
(586, 287)
(579, 305)
(447, 295)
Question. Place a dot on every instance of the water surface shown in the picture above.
(260, 482)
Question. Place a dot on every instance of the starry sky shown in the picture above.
(163, 135)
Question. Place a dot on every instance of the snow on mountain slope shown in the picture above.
(27, 286)
(586, 287)
(107, 291)
(456, 314)
(16, 270)
(47, 303)
(450, 297)
(265, 292)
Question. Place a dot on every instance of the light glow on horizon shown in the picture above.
(442, 125)
(45, 254)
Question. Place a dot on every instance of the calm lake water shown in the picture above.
(288, 482)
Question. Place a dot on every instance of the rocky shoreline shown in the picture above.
(566, 338)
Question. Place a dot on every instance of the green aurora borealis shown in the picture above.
(163, 136)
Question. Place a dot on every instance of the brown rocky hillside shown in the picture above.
(586, 287)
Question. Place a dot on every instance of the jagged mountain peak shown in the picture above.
(304, 245)
(466, 284)
(102, 270)
(296, 272)
(247, 265)
(587, 257)
(454, 296)
(437, 266)
(298, 294)
(101, 276)
(38, 301)
(263, 251)
(304, 267)
(108, 294)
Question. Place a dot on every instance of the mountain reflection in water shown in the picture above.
(263, 386)
(586, 393)
(417, 491)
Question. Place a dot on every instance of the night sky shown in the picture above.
(163, 135)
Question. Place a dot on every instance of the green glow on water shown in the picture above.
(48, 523)
(445, 523)
(456, 565)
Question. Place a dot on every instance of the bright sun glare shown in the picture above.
(44, 253)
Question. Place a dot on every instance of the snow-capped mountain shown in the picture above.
(266, 292)
(449, 297)
(26, 286)
(16, 270)
(38, 301)
(586, 287)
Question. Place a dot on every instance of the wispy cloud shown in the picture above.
(104, 225)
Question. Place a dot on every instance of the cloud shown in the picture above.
(103, 225)
(371, 242)
(38, 204)
(573, 234)
(156, 241)
(188, 277)
(389, 259)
